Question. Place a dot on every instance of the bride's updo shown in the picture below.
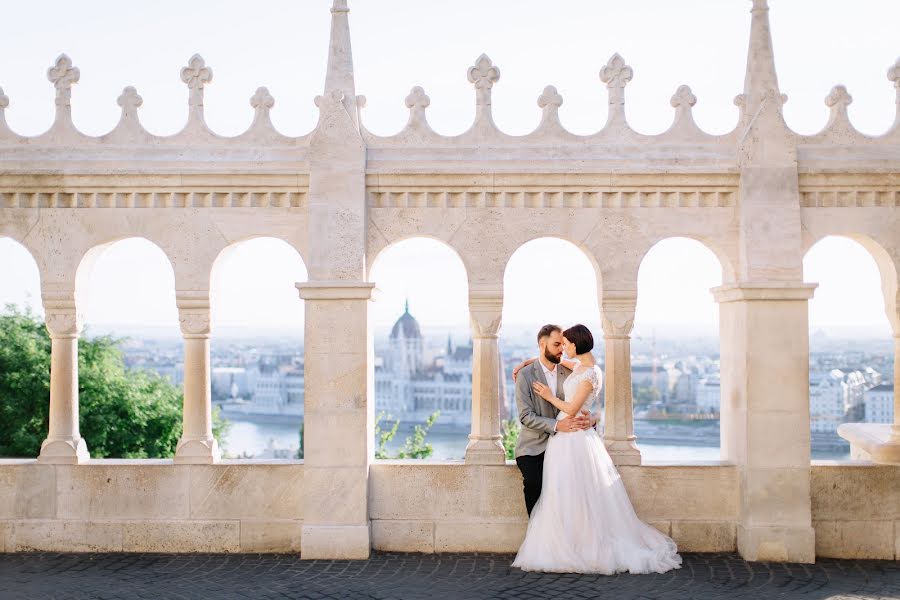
(581, 337)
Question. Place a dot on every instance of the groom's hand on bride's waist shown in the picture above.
(576, 423)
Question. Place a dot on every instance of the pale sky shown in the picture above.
(401, 43)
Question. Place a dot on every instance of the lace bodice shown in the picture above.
(592, 374)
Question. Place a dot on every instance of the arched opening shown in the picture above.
(675, 353)
(423, 350)
(547, 280)
(851, 350)
(130, 362)
(256, 348)
(24, 351)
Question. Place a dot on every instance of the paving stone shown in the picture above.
(411, 576)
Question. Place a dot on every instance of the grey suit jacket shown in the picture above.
(537, 416)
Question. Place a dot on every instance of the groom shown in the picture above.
(538, 417)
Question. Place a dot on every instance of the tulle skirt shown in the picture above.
(584, 521)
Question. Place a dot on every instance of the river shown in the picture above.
(658, 442)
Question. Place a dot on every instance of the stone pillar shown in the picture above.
(64, 445)
(339, 415)
(197, 444)
(618, 321)
(485, 310)
(765, 415)
(895, 429)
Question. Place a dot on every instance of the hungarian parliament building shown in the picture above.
(409, 390)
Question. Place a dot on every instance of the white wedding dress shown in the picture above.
(584, 521)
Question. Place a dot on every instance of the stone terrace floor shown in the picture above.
(389, 575)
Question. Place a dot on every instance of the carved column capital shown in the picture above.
(193, 313)
(618, 313)
(61, 316)
(485, 311)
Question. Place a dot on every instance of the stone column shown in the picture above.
(339, 415)
(895, 429)
(618, 321)
(765, 415)
(64, 445)
(197, 444)
(485, 310)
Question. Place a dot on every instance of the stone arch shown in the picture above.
(88, 260)
(888, 269)
(579, 245)
(725, 262)
(31, 256)
(373, 258)
(233, 245)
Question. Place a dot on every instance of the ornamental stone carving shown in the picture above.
(618, 313)
(616, 74)
(262, 100)
(130, 101)
(194, 323)
(196, 75)
(63, 76)
(550, 98)
(838, 98)
(485, 312)
(683, 98)
(63, 324)
(484, 75)
(4, 99)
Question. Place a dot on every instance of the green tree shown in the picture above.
(124, 414)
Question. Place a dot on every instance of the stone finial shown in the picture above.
(549, 101)
(893, 74)
(63, 76)
(550, 98)
(417, 101)
(838, 98)
(616, 74)
(196, 75)
(129, 100)
(339, 70)
(484, 75)
(262, 101)
(339, 6)
(4, 100)
(683, 98)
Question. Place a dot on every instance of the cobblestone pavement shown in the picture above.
(388, 575)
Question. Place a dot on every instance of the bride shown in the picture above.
(584, 521)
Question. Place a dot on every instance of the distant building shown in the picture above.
(827, 400)
(879, 403)
(709, 395)
(408, 389)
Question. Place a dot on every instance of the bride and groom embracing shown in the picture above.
(580, 517)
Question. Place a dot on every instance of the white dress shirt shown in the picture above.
(550, 377)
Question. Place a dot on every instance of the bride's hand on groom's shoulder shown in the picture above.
(521, 366)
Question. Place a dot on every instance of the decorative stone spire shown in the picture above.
(63, 76)
(760, 80)
(339, 73)
(196, 75)
(893, 75)
(484, 75)
(417, 101)
(838, 100)
(683, 102)
(130, 101)
(549, 101)
(4, 102)
(262, 102)
(616, 75)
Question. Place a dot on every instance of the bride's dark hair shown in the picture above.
(581, 337)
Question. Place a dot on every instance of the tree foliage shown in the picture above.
(124, 413)
(414, 446)
(509, 430)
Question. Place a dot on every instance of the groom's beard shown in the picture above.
(552, 357)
